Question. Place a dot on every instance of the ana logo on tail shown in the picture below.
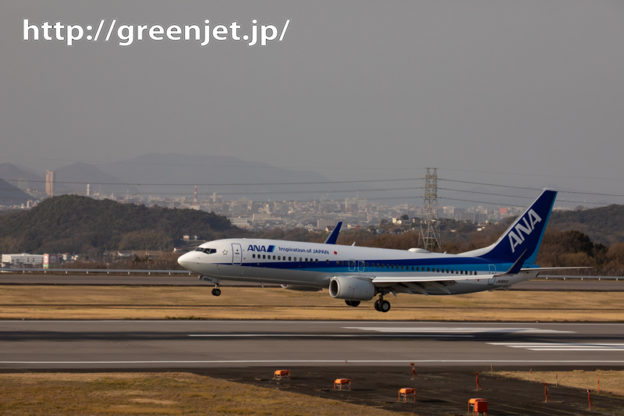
(522, 229)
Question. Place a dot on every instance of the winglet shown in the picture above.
(334, 234)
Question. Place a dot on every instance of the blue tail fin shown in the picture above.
(524, 235)
(334, 234)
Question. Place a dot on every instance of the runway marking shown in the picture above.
(302, 335)
(460, 329)
(557, 346)
(343, 361)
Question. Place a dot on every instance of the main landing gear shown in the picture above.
(353, 303)
(382, 305)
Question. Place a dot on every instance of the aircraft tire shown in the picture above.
(354, 303)
(216, 292)
(384, 306)
(377, 306)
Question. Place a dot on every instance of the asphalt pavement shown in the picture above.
(173, 344)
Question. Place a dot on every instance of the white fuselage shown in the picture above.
(312, 265)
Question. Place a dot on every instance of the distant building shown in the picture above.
(49, 187)
(241, 222)
(326, 224)
(22, 259)
(448, 211)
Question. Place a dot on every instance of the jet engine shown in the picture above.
(351, 288)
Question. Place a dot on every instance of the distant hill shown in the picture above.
(25, 179)
(603, 225)
(72, 179)
(12, 195)
(210, 169)
(78, 224)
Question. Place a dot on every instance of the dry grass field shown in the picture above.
(175, 393)
(125, 302)
(611, 381)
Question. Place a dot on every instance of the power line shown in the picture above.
(513, 205)
(525, 187)
(362, 190)
(482, 193)
(489, 184)
(222, 184)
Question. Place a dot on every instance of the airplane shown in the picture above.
(358, 274)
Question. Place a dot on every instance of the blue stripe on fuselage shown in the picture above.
(441, 265)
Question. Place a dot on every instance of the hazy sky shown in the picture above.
(520, 92)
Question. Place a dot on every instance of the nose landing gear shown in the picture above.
(216, 291)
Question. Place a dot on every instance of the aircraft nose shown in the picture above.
(183, 260)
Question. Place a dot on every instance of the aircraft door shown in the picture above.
(237, 253)
(492, 270)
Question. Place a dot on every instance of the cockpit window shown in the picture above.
(206, 250)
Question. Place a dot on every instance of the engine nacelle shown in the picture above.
(351, 288)
(302, 288)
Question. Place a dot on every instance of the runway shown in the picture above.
(113, 280)
(193, 280)
(174, 344)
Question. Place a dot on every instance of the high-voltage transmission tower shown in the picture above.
(429, 226)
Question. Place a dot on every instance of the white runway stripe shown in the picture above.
(557, 346)
(458, 329)
(301, 335)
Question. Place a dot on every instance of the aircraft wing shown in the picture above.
(424, 279)
(424, 285)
